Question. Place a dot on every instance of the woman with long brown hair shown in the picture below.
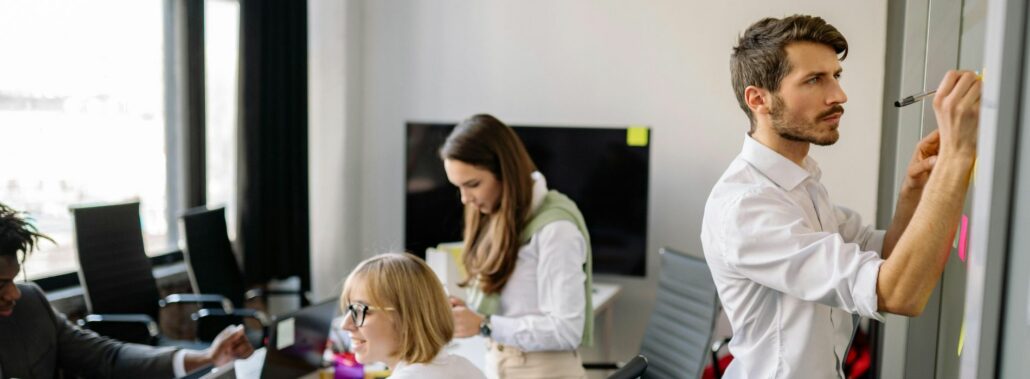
(527, 254)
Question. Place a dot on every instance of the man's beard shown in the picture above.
(797, 129)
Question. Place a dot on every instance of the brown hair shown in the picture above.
(492, 241)
(760, 58)
(404, 282)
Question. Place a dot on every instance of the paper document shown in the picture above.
(284, 334)
(447, 270)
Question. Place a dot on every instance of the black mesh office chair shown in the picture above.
(211, 263)
(116, 275)
(676, 341)
(213, 268)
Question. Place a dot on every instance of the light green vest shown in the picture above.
(555, 207)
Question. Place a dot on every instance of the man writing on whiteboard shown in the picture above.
(792, 268)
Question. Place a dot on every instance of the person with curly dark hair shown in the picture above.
(39, 341)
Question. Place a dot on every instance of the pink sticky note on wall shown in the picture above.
(962, 238)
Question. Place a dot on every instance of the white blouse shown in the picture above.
(543, 302)
(444, 366)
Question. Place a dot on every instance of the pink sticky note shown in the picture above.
(962, 238)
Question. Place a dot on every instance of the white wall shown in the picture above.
(334, 141)
(580, 62)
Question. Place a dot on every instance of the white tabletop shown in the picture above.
(604, 296)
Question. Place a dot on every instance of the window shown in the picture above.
(221, 52)
(82, 116)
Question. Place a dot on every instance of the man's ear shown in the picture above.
(757, 99)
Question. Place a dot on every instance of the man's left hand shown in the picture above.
(922, 163)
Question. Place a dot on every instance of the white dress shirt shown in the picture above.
(179, 363)
(790, 267)
(443, 366)
(542, 303)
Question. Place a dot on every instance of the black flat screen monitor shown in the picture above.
(604, 170)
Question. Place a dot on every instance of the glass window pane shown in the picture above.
(221, 52)
(82, 115)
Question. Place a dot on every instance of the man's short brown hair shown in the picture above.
(760, 57)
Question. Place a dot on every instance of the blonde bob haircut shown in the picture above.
(422, 315)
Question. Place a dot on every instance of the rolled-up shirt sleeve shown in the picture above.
(561, 292)
(852, 230)
(774, 246)
(179, 363)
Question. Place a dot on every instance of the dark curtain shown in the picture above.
(273, 153)
(194, 133)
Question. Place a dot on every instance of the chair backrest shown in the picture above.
(211, 263)
(677, 336)
(114, 269)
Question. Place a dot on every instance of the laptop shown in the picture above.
(295, 345)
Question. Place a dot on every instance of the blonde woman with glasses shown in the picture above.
(397, 313)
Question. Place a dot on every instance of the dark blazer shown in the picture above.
(36, 341)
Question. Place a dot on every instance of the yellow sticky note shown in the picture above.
(961, 338)
(456, 249)
(636, 136)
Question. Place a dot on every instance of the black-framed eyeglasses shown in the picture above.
(358, 311)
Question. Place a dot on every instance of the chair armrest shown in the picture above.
(716, 346)
(200, 299)
(117, 317)
(236, 313)
(252, 314)
(633, 369)
(135, 328)
(254, 293)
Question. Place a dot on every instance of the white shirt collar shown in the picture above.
(539, 191)
(776, 167)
